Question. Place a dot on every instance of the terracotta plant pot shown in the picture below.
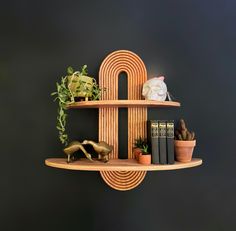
(184, 150)
(137, 152)
(144, 159)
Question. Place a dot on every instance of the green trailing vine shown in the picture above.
(96, 91)
(65, 96)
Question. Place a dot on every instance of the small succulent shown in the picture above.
(140, 142)
(145, 149)
(182, 133)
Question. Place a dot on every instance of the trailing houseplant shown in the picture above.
(145, 157)
(82, 86)
(184, 143)
(74, 84)
(138, 146)
(64, 96)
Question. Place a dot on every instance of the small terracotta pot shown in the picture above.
(144, 159)
(137, 152)
(184, 150)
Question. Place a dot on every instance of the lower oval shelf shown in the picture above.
(117, 165)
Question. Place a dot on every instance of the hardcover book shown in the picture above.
(162, 141)
(153, 143)
(170, 141)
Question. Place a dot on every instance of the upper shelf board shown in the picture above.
(117, 165)
(123, 103)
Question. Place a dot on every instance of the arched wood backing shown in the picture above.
(111, 67)
(123, 180)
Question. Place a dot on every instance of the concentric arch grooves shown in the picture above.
(123, 181)
(111, 67)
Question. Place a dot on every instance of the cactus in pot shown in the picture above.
(182, 133)
(184, 143)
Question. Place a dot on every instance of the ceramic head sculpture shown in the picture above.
(155, 89)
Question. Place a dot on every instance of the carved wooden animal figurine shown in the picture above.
(73, 147)
(102, 148)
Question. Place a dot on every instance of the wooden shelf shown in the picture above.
(123, 103)
(121, 174)
(117, 165)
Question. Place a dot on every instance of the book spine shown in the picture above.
(162, 141)
(153, 140)
(170, 142)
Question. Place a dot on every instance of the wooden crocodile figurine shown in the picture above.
(102, 148)
(73, 147)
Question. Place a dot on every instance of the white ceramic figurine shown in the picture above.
(155, 89)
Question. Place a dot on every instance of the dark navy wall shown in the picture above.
(192, 43)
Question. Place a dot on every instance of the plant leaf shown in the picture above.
(70, 70)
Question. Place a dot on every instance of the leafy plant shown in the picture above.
(89, 89)
(140, 142)
(83, 87)
(64, 97)
(73, 78)
(84, 70)
(145, 149)
(97, 91)
(182, 133)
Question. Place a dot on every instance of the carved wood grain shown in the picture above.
(111, 67)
